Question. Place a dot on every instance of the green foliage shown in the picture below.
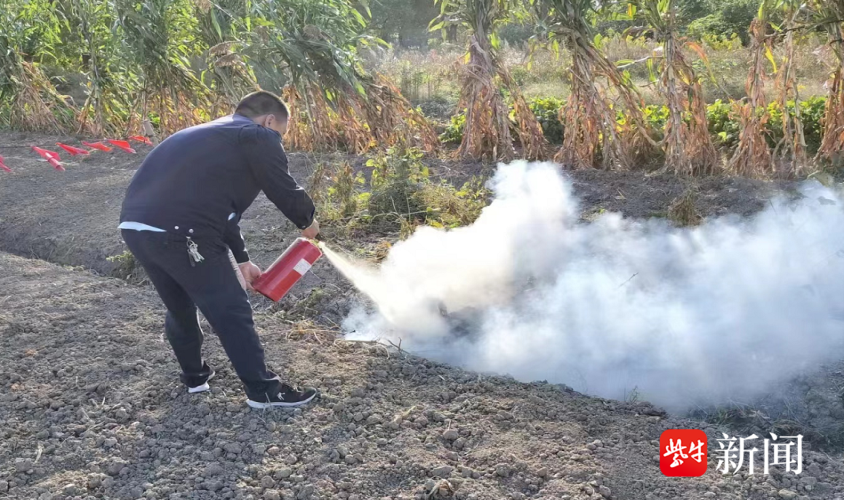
(480, 16)
(516, 33)
(721, 42)
(400, 196)
(403, 195)
(454, 132)
(163, 60)
(724, 18)
(309, 41)
(690, 10)
(811, 114)
(722, 125)
(725, 127)
(403, 21)
(29, 36)
(160, 37)
(656, 116)
(126, 267)
(92, 47)
(396, 178)
(344, 190)
(547, 112)
(545, 109)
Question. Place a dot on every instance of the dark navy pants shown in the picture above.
(212, 287)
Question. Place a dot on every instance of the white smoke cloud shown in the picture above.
(685, 316)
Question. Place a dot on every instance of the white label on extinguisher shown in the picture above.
(302, 266)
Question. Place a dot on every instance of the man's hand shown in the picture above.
(250, 273)
(312, 231)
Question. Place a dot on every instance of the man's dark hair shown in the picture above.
(262, 103)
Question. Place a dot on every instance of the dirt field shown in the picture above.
(91, 406)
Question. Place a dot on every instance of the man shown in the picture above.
(181, 216)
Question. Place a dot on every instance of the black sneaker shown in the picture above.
(288, 397)
(202, 387)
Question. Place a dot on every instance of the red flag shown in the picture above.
(56, 164)
(124, 145)
(97, 145)
(72, 150)
(46, 153)
(141, 138)
(51, 156)
(3, 165)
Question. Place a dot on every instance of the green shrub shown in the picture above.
(401, 196)
(547, 112)
(721, 42)
(811, 113)
(656, 116)
(545, 109)
(723, 126)
(520, 74)
(396, 177)
(516, 34)
(712, 25)
(726, 17)
(454, 132)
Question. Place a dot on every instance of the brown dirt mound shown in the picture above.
(92, 408)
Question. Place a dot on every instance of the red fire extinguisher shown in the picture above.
(280, 277)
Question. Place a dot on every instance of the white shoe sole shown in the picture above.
(279, 404)
(201, 388)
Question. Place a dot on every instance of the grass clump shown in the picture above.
(127, 268)
(683, 212)
(399, 196)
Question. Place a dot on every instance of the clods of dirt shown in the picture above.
(91, 407)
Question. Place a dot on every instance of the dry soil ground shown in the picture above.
(91, 407)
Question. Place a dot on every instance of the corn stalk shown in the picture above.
(792, 147)
(830, 14)
(486, 132)
(590, 114)
(687, 145)
(393, 120)
(227, 75)
(27, 97)
(158, 40)
(89, 32)
(310, 51)
(753, 156)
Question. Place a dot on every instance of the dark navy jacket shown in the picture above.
(193, 181)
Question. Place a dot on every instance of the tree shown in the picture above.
(718, 17)
(402, 21)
